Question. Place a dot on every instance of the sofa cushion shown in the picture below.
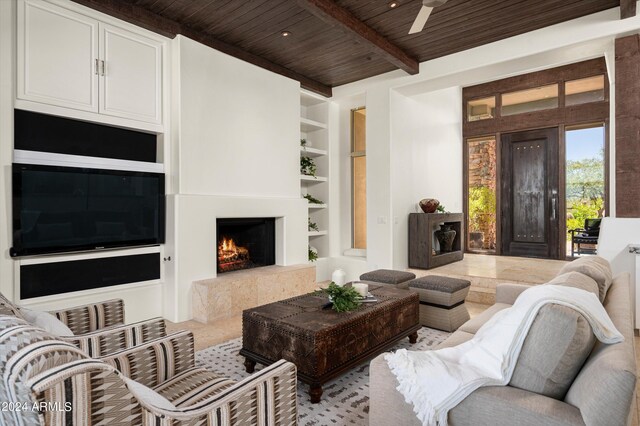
(595, 267)
(47, 321)
(473, 325)
(458, 337)
(559, 341)
(577, 280)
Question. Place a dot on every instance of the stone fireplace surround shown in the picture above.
(194, 231)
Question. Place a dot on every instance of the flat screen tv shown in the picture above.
(64, 209)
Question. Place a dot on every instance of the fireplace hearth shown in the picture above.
(245, 243)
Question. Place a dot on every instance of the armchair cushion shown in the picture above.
(148, 396)
(193, 386)
(47, 321)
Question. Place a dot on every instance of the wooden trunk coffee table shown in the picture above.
(322, 343)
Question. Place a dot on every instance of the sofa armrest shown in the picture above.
(266, 397)
(508, 293)
(157, 360)
(87, 318)
(118, 337)
(508, 405)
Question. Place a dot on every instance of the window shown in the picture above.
(585, 90)
(585, 176)
(359, 177)
(481, 109)
(536, 99)
(481, 202)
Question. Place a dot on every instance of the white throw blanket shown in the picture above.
(436, 381)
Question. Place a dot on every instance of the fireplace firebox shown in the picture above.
(245, 243)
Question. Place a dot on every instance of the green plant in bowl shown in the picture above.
(344, 298)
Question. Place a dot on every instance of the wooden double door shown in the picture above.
(530, 194)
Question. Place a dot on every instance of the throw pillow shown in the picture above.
(577, 280)
(9, 308)
(595, 267)
(559, 341)
(46, 321)
(148, 395)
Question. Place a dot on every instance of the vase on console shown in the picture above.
(445, 235)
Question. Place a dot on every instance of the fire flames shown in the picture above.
(230, 252)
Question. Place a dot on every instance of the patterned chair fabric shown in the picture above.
(99, 328)
(88, 318)
(57, 384)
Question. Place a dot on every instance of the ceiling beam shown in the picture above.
(169, 28)
(341, 18)
(627, 9)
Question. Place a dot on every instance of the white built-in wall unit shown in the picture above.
(63, 59)
(314, 117)
(74, 62)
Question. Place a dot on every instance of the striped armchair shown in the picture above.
(99, 329)
(47, 381)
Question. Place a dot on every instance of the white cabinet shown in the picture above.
(57, 52)
(131, 86)
(67, 59)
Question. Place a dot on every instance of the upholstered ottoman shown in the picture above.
(397, 279)
(442, 301)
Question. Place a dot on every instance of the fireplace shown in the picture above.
(245, 243)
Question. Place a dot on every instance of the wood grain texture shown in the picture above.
(167, 27)
(341, 18)
(529, 178)
(627, 9)
(421, 228)
(627, 151)
(329, 54)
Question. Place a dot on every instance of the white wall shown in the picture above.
(239, 126)
(437, 155)
(237, 138)
(7, 66)
(408, 129)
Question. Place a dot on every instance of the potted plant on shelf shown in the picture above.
(311, 199)
(307, 166)
(313, 226)
(313, 254)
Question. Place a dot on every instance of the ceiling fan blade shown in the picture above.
(421, 20)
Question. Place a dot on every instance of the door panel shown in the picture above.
(132, 82)
(529, 199)
(57, 52)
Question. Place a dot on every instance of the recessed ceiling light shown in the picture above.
(394, 4)
(285, 33)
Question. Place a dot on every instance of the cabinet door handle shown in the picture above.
(97, 66)
(102, 68)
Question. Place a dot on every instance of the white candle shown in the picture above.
(361, 288)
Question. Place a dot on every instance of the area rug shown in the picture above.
(345, 400)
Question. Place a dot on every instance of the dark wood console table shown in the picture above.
(422, 226)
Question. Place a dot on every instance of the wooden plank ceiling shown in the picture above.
(323, 53)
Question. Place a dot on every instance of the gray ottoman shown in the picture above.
(442, 301)
(397, 279)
